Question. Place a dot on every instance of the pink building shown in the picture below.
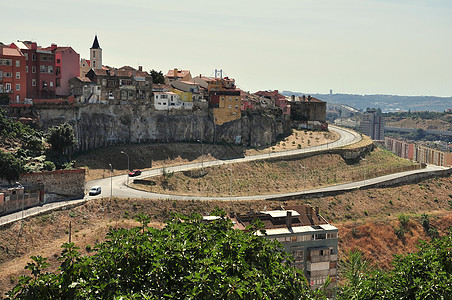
(67, 66)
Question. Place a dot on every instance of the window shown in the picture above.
(8, 74)
(17, 75)
(7, 62)
(17, 87)
(234, 113)
(58, 61)
(94, 54)
(33, 69)
(33, 82)
(46, 58)
(26, 56)
(331, 235)
(1, 74)
(230, 106)
(17, 63)
(236, 106)
(33, 56)
(26, 69)
(94, 64)
(8, 87)
(51, 83)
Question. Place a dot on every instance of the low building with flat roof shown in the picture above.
(304, 233)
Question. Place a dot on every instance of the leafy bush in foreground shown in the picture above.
(188, 259)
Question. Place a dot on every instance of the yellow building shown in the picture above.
(184, 96)
(228, 106)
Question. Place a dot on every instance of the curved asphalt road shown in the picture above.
(120, 189)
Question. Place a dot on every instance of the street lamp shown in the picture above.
(111, 182)
(304, 172)
(128, 166)
(202, 153)
(230, 183)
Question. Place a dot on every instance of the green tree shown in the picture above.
(157, 77)
(187, 259)
(61, 137)
(10, 167)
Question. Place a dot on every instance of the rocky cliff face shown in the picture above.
(98, 125)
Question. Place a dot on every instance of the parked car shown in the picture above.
(134, 173)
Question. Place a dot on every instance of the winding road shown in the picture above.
(117, 186)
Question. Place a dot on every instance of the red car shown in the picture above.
(134, 173)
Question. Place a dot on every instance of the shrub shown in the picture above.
(404, 219)
(48, 166)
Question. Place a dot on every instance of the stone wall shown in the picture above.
(98, 125)
(63, 183)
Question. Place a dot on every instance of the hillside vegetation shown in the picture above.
(277, 176)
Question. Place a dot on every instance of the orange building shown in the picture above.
(13, 82)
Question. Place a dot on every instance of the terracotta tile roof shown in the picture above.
(84, 79)
(180, 73)
(10, 51)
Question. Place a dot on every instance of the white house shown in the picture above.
(169, 100)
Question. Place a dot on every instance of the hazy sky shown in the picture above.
(399, 47)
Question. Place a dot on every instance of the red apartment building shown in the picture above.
(40, 70)
(13, 75)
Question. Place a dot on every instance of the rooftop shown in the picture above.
(297, 218)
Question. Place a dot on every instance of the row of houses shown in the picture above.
(419, 153)
(35, 75)
(29, 71)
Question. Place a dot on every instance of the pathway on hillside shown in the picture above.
(117, 187)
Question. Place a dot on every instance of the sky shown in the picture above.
(400, 47)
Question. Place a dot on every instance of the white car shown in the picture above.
(95, 190)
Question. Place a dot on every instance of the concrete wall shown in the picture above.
(64, 183)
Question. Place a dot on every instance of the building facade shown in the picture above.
(13, 82)
(373, 125)
(67, 66)
(306, 235)
(125, 85)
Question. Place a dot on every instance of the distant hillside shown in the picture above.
(387, 103)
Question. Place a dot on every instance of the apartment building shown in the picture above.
(401, 148)
(373, 125)
(428, 155)
(304, 233)
(13, 69)
(67, 66)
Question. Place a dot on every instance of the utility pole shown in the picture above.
(111, 182)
